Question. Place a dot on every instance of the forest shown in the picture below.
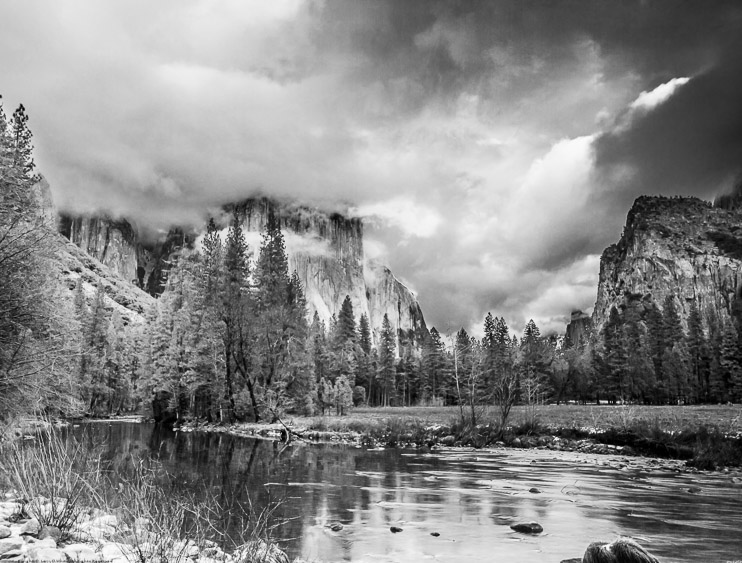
(231, 338)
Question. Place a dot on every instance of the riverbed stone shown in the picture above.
(534, 490)
(81, 552)
(50, 532)
(448, 440)
(112, 551)
(12, 555)
(395, 529)
(335, 526)
(4, 532)
(30, 527)
(10, 544)
(620, 550)
(527, 527)
(37, 553)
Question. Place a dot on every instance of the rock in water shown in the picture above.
(10, 544)
(50, 532)
(30, 528)
(621, 550)
(335, 526)
(434, 534)
(395, 530)
(4, 532)
(534, 490)
(527, 527)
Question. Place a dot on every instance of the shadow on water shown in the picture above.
(468, 498)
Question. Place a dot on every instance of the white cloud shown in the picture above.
(649, 100)
(412, 218)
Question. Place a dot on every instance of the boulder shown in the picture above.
(50, 532)
(334, 526)
(111, 551)
(534, 490)
(30, 527)
(10, 544)
(12, 555)
(4, 532)
(527, 527)
(621, 550)
(42, 553)
(46, 542)
(448, 440)
(81, 552)
(395, 530)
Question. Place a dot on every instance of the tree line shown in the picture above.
(230, 338)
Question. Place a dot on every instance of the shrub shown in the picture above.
(57, 477)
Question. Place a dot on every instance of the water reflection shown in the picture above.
(469, 498)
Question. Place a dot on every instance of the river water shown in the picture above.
(470, 498)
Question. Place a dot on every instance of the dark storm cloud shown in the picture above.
(690, 145)
(491, 145)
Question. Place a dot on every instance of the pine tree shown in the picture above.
(346, 326)
(387, 367)
(656, 344)
(235, 310)
(614, 359)
(730, 383)
(698, 355)
(673, 330)
(490, 350)
(272, 268)
(22, 145)
(364, 334)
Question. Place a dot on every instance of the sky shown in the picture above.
(493, 148)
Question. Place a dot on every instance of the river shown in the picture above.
(469, 498)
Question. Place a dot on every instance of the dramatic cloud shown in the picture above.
(493, 147)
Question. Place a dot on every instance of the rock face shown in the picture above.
(326, 250)
(682, 247)
(73, 264)
(118, 245)
(578, 328)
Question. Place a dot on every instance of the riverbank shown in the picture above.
(59, 501)
(100, 536)
(703, 437)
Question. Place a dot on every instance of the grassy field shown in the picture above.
(728, 418)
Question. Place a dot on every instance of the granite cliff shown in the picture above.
(325, 249)
(118, 245)
(68, 264)
(683, 247)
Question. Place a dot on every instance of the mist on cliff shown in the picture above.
(492, 147)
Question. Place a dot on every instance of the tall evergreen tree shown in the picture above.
(236, 315)
(346, 327)
(387, 364)
(698, 355)
(614, 359)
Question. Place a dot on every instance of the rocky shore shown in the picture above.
(437, 437)
(98, 536)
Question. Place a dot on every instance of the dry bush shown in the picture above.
(57, 477)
